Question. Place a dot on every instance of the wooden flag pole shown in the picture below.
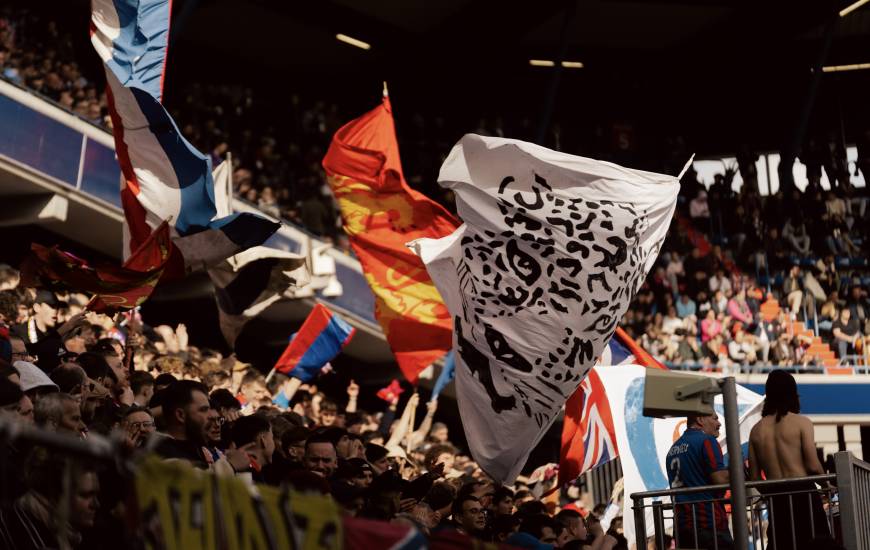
(409, 435)
(230, 183)
(270, 375)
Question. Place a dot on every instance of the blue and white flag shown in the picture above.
(164, 176)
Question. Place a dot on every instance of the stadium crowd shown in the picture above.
(67, 371)
(726, 253)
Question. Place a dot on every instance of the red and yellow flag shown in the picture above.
(380, 214)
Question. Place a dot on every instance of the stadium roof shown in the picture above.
(718, 72)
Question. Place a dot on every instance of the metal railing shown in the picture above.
(853, 480)
(791, 513)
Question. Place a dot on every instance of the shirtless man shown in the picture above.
(782, 446)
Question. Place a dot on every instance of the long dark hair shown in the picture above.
(781, 396)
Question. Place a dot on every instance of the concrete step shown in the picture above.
(838, 370)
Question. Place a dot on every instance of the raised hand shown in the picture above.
(181, 336)
(76, 320)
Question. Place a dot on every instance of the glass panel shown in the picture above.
(101, 175)
(39, 141)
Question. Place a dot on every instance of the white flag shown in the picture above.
(551, 252)
(248, 283)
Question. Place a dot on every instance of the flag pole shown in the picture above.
(270, 375)
(230, 183)
(411, 421)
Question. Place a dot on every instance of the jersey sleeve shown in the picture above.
(712, 458)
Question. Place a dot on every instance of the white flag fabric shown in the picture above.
(552, 249)
(249, 282)
(223, 189)
(644, 441)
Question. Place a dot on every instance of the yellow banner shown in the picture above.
(181, 508)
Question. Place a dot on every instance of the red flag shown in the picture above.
(391, 393)
(117, 287)
(588, 435)
(380, 214)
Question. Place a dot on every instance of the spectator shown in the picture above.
(795, 233)
(142, 386)
(574, 528)
(293, 444)
(254, 391)
(792, 289)
(138, 423)
(503, 501)
(846, 333)
(468, 515)
(720, 282)
(43, 321)
(686, 307)
(59, 412)
(711, 326)
(699, 212)
(782, 446)
(695, 460)
(740, 350)
(320, 457)
(253, 435)
(33, 521)
(671, 323)
(34, 381)
(14, 405)
(70, 378)
(738, 308)
(185, 409)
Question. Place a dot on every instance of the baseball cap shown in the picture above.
(46, 297)
(32, 377)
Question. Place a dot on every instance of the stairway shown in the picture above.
(820, 351)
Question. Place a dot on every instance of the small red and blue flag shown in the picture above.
(321, 337)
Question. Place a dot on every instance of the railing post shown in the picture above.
(659, 522)
(846, 489)
(736, 476)
(639, 522)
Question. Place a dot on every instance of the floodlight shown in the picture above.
(353, 41)
(843, 68)
(849, 9)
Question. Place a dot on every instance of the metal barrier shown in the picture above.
(791, 513)
(853, 480)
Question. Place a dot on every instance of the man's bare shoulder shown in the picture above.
(755, 432)
(797, 419)
(770, 422)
